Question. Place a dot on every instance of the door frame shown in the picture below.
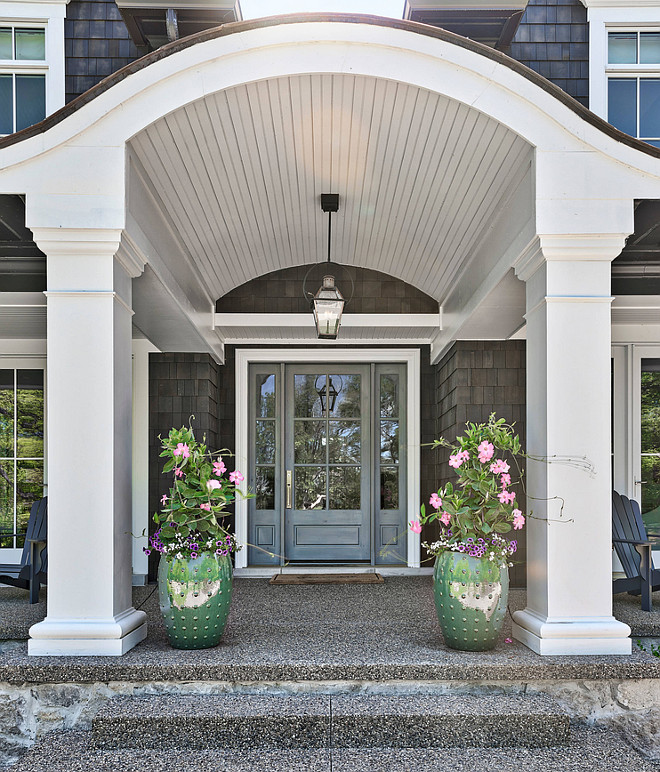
(409, 357)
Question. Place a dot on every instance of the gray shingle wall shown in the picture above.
(553, 40)
(96, 43)
(473, 380)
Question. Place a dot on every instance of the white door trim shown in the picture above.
(410, 357)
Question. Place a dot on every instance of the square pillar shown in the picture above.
(88, 409)
(569, 530)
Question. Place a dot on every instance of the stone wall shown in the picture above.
(473, 380)
(553, 40)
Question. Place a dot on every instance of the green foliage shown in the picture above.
(654, 648)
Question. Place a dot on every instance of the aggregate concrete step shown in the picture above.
(317, 721)
(591, 749)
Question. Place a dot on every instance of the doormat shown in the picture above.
(327, 579)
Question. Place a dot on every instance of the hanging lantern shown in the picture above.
(328, 308)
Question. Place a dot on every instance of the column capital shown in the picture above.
(78, 241)
(568, 247)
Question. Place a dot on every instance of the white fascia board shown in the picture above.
(348, 320)
(465, 5)
(624, 5)
(216, 5)
(22, 299)
(636, 309)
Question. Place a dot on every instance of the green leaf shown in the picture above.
(169, 466)
(167, 531)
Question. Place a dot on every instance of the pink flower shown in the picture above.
(486, 451)
(236, 477)
(518, 520)
(458, 458)
(178, 472)
(505, 479)
(508, 640)
(415, 526)
(207, 507)
(212, 484)
(182, 450)
(506, 497)
(219, 468)
(445, 518)
(499, 466)
(435, 501)
(163, 501)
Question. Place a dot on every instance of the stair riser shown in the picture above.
(345, 732)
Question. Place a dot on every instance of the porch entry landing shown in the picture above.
(327, 463)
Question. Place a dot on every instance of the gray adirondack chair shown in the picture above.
(34, 560)
(632, 545)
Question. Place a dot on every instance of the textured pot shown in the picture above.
(471, 596)
(194, 597)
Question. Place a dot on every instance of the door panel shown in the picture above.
(328, 452)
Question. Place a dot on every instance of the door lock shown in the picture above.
(289, 485)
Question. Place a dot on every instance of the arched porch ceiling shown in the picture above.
(238, 175)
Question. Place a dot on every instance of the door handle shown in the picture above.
(289, 485)
(641, 482)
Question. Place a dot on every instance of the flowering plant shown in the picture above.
(481, 507)
(191, 519)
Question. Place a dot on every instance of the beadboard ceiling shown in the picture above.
(420, 177)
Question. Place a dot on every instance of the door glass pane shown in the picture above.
(6, 413)
(30, 44)
(264, 487)
(649, 107)
(650, 420)
(5, 43)
(344, 396)
(389, 396)
(344, 438)
(622, 48)
(309, 442)
(622, 104)
(30, 413)
(30, 100)
(29, 488)
(265, 395)
(389, 487)
(344, 487)
(264, 446)
(389, 442)
(310, 487)
(309, 391)
(6, 104)
(7, 502)
(649, 48)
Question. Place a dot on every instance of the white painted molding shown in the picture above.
(410, 357)
(77, 241)
(624, 5)
(636, 309)
(131, 256)
(348, 320)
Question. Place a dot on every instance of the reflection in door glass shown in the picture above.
(389, 442)
(309, 395)
(344, 441)
(389, 396)
(309, 442)
(264, 487)
(344, 396)
(389, 487)
(265, 395)
(344, 487)
(310, 485)
(265, 442)
(650, 425)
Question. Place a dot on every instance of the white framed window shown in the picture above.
(23, 74)
(633, 82)
(22, 450)
(31, 61)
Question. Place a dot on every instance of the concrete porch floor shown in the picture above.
(319, 633)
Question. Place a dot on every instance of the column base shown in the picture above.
(571, 637)
(80, 638)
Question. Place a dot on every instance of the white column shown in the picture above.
(141, 350)
(569, 547)
(88, 391)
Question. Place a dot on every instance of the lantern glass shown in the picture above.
(328, 308)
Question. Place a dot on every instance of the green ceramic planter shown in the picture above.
(471, 596)
(194, 598)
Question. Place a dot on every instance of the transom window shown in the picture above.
(22, 76)
(633, 86)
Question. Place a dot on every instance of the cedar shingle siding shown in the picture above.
(553, 40)
(97, 44)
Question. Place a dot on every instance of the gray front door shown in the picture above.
(327, 463)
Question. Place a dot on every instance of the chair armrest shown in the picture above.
(632, 541)
(653, 535)
(36, 541)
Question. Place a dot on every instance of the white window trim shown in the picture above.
(410, 357)
(11, 555)
(626, 16)
(48, 14)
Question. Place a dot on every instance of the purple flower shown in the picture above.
(146, 551)
(193, 555)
